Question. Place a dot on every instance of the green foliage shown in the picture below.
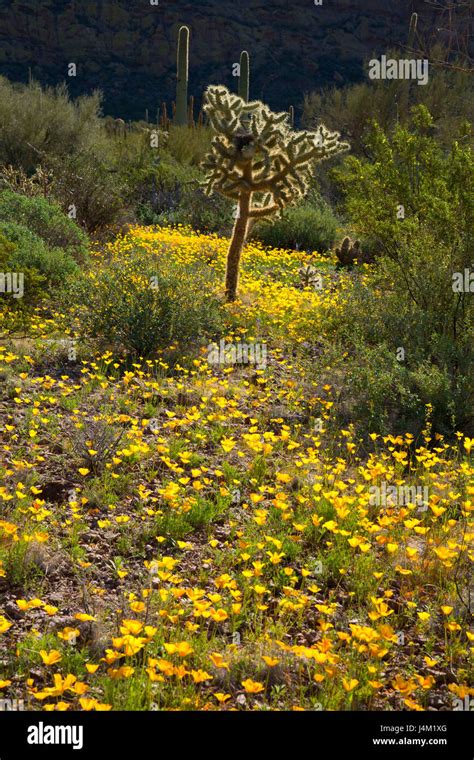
(45, 218)
(181, 118)
(93, 185)
(305, 227)
(40, 121)
(408, 301)
(46, 270)
(170, 192)
(187, 146)
(163, 185)
(147, 305)
(448, 96)
(42, 127)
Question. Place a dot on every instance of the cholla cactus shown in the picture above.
(257, 161)
(310, 276)
(350, 252)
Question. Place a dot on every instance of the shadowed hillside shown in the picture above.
(128, 49)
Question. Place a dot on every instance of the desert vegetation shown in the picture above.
(236, 400)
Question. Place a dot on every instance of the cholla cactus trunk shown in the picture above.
(244, 79)
(259, 163)
(239, 236)
(237, 241)
(182, 77)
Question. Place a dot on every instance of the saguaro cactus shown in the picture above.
(257, 161)
(412, 30)
(191, 112)
(181, 118)
(405, 86)
(244, 78)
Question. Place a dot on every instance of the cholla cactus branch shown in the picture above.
(259, 162)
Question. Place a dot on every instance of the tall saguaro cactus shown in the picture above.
(405, 87)
(244, 78)
(412, 30)
(257, 161)
(181, 118)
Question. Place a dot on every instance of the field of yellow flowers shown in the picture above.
(201, 537)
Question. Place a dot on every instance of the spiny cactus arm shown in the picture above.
(303, 149)
(262, 207)
(260, 213)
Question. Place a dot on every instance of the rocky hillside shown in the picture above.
(127, 48)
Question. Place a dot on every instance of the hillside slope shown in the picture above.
(128, 49)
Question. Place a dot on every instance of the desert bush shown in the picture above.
(43, 127)
(354, 108)
(170, 193)
(305, 227)
(147, 304)
(188, 146)
(45, 218)
(39, 121)
(404, 325)
(46, 270)
(90, 184)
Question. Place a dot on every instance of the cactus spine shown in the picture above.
(181, 118)
(244, 78)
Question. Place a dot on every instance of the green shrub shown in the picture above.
(305, 227)
(407, 333)
(92, 185)
(188, 146)
(448, 95)
(169, 193)
(38, 122)
(45, 270)
(45, 218)
(147, 304)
